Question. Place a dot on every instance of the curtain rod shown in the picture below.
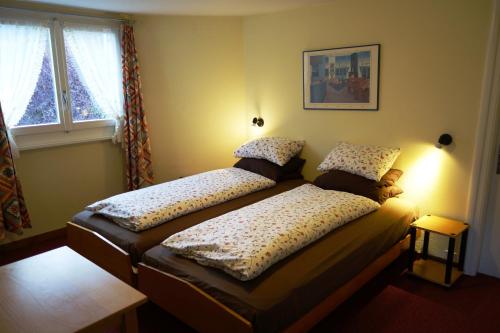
(51, 12)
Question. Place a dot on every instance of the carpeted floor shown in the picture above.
(395, 302)
(8, 257)
(392, 302)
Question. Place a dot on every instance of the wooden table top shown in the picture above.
(60, 291)
(441, 225)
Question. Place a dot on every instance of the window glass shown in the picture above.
(42, 108)
(27, 89)
(83, 105)
(93, 62)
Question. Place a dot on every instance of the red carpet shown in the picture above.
(11, 256)
(395, 310)
(395, 302)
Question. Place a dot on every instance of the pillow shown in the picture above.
(344, 181)
(276, 150)
(368, 161)
(291, 170)
(391, 177)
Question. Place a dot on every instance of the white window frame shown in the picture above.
(66, 131)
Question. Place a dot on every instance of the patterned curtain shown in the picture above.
(14, 215)
(136, 143)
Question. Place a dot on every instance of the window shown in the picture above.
(42, 105)
(61, 79)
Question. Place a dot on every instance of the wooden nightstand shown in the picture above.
(432, 270)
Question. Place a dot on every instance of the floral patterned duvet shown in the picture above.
(247, 241)
(145, 208)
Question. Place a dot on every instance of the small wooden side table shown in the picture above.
(432, 270)
(61, 291)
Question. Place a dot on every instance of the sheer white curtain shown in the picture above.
(22, 47)
(97, 54)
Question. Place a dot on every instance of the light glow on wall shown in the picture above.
(421, 179)
(256, 132)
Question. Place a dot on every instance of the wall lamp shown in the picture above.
(258, 121)
(444, 140)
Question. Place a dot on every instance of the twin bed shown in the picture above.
(212, 301)
(291, 295)
(119, 250)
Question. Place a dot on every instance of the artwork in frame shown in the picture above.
(342, 78)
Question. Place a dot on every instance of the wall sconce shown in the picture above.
(258, 121)
(444, 140)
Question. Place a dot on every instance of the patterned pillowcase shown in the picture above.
(369, 161)
(276, 150)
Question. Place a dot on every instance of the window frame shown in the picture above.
(66, 131)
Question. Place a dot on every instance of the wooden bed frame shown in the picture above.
(102, 252)
(206, 314)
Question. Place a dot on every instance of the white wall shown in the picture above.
(490, 251)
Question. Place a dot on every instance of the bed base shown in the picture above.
(205, 314)
(102, 252)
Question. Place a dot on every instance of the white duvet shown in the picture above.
(151, 206)
(247, 241)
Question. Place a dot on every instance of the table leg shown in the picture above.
(411, 253)
(449, 261)
(425, 247)
(463, 245)
(129, 322)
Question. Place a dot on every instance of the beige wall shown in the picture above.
(193, 83)
(432, 56)
(58, 182)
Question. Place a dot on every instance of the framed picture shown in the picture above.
(342, 78)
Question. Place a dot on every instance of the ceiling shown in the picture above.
(186, 7)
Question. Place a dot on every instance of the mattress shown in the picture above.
(293, 286)
(136, 243)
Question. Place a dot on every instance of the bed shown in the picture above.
(116, 231)
(294, 293)
(119, 250)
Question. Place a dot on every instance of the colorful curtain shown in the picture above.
(14, 215)
(136, 143)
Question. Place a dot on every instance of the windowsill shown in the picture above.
(61, 138)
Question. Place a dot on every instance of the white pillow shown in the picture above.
(369, 161)
(276, 150)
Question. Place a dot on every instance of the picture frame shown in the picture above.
(344, 78)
